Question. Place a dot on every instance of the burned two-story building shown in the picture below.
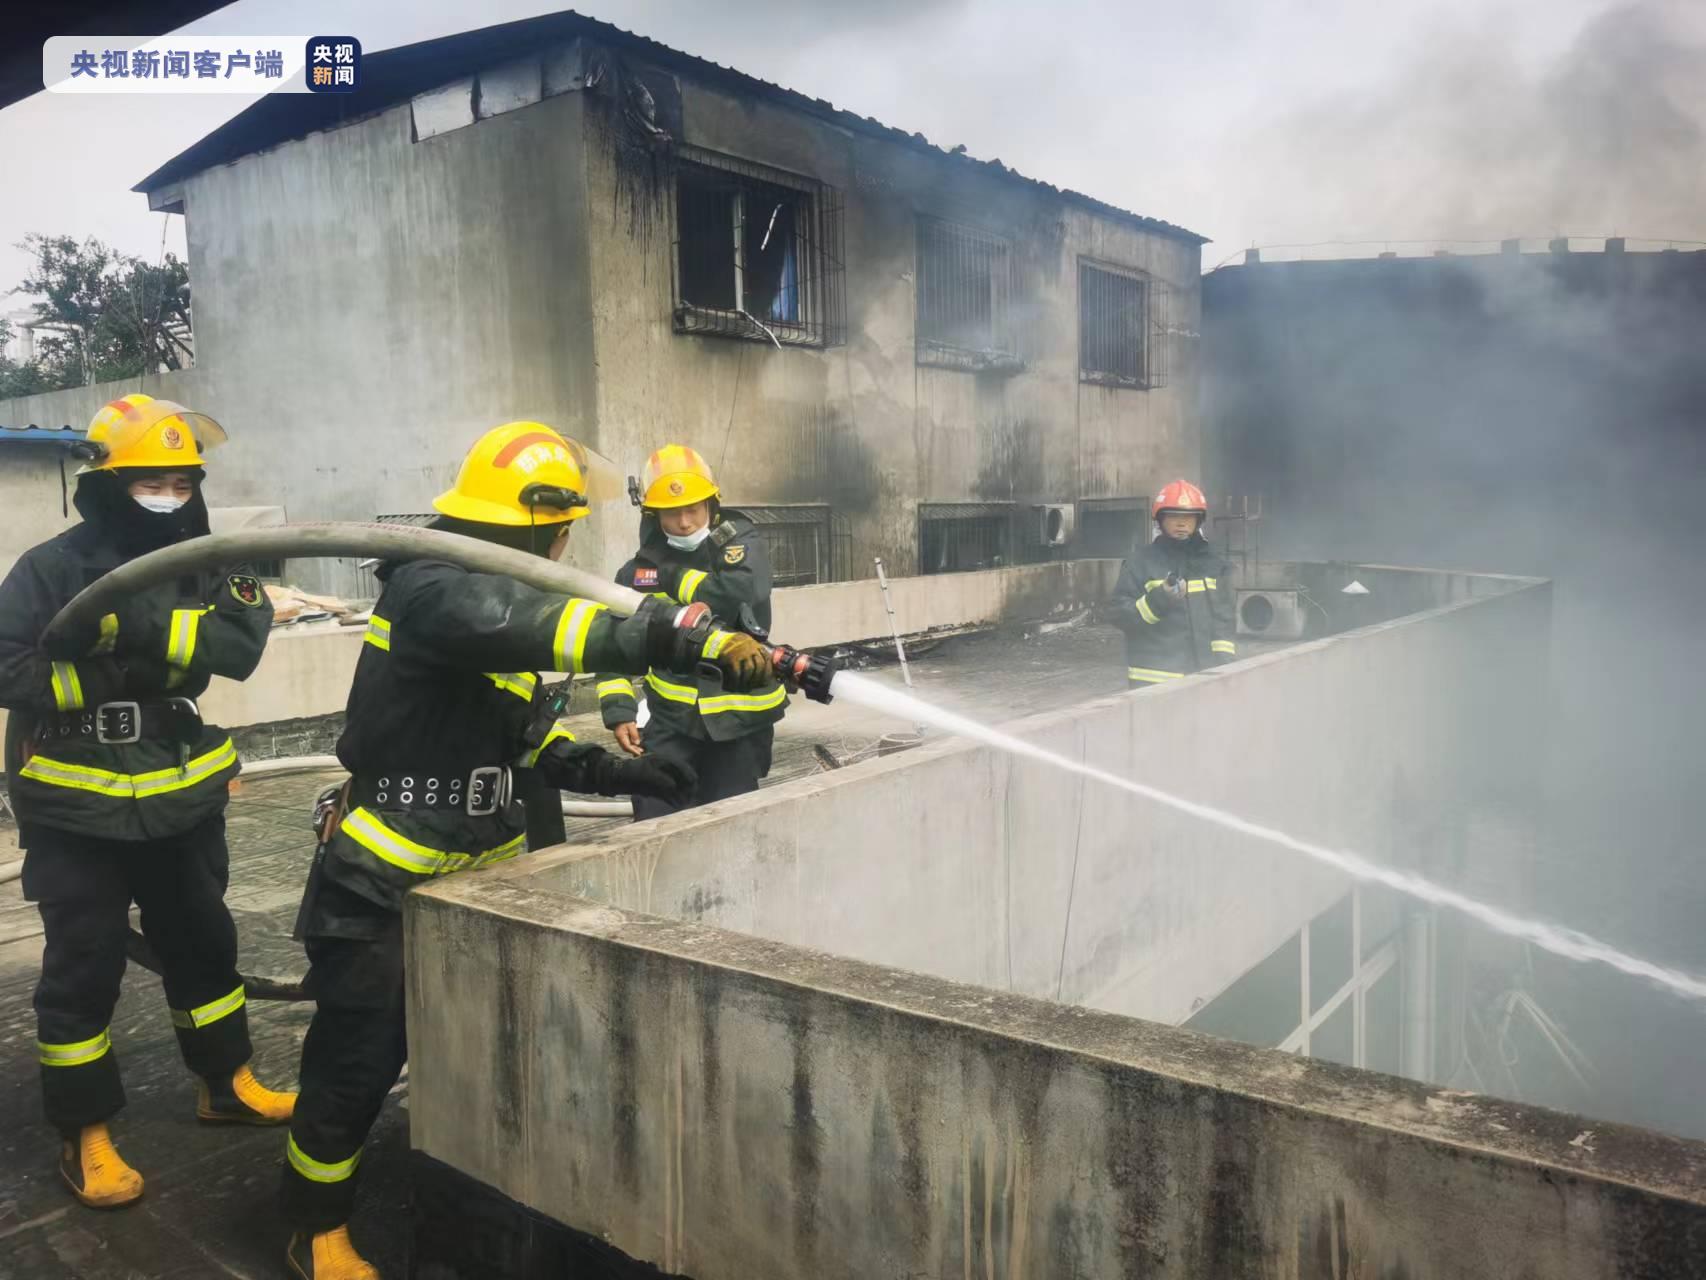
(885, 348)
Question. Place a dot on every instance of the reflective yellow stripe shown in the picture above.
(743, 701)
(318, 1170)
(74, 1055)
(1223, 646)
(674, 692)
(520, 683)
(572, 630)
(1213, 583)
(690, 584)
(378, 633)
(715, 645)
(67, 687)
(366, 829)
(56, 773)
(1153, 583)
(181, 636)
(1196, 586)
(1149, 676)
(209, 1013)
(615, 689)
(109, 634)
(559, 733)
(1145, 612)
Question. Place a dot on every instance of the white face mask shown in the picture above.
(160, 506)
(688, 541)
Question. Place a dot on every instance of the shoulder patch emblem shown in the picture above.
(645, 576)
(246, 590)
(734, 554)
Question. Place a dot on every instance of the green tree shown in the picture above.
(17, 379)
(104, 315)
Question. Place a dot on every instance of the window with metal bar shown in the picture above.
(1122, 328)
(957, 537)
(798, 539)
(757, 253)
(964, 291)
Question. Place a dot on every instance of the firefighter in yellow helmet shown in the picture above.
(445, 708)
(120, 786)
(692, 549)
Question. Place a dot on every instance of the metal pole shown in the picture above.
(894, 628)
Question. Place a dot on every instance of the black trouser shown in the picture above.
(354, 1052)
(83, 887)
(725, 769)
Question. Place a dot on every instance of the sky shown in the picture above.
(1253, 122)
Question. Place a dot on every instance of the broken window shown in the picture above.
(758, 253)
(1121, 328)
(964, 288)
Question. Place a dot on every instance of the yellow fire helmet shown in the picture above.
(677, 476)
(140, 431)
(525, 473)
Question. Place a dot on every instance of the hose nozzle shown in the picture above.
(811, 673)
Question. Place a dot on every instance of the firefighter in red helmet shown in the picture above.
(1173, 599)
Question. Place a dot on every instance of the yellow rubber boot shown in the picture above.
(242, 1100)
(96, 1172)
(328, 1256)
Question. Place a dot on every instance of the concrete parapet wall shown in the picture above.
(731, 1108)
(959, 860)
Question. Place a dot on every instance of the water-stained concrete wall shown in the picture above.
(729, 1108)
(959, 860)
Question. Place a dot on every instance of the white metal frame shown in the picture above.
(1364, 974)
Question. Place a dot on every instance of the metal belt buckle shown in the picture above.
(487, 788)
(129, 716)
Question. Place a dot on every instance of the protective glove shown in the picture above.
(1163, 598)
(744, 662)
(654, 776)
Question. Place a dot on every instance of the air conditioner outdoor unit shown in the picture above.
(1056, 523)
(1271, 614)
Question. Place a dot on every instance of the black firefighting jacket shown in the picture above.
(1168, 635)
(445, 698)
(728, 571)
(162, 644)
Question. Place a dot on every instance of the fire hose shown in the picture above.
(811, 674)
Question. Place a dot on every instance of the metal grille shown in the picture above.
(958, 537)
(798, 540)
(758, 253)
(1122, 329)
(964, 290)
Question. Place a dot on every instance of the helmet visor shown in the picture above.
(139, 419)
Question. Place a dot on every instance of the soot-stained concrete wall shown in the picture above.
(866, 426)
(959, 860)
(730, 1108)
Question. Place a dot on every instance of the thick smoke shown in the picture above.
(1468, 142)
(1536, 415)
